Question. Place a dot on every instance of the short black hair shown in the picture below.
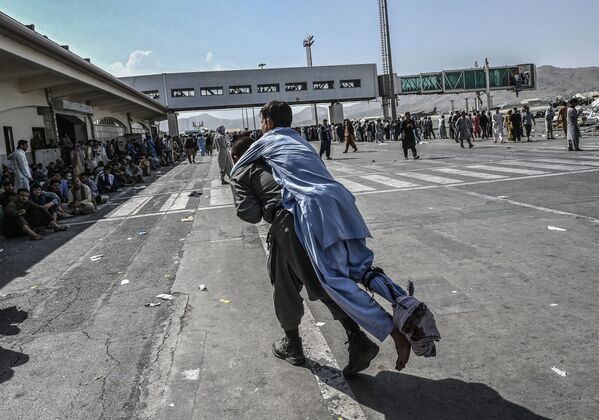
(279, 113)
(241, 145)
(20, 190)
(21, 143)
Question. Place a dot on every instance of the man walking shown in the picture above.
(573, 127)
(325, 135)
(549, 114)
(463, 130)
(527, 121)
(409, 141)
(350, 138)
(516, 120)
(21, 166)
(497, 126)
(224, 157)
(337, 251)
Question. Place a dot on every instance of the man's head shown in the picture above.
(240, 147)
(106, 170)
(497, 110)
(23, 145)
(83, 178)
(76, 183)
(573, 102)
(275, 114)
(325, 121)
(464, 114)
(407, 115)
(23, 195)
(8, 186)
(36, 189)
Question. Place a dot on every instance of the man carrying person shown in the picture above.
(335, 244)
(325, 136)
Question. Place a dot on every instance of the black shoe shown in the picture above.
(223, 182)
(579, 150)
(416, 157)
(289, 350)
(570, 149)
(470, 146)
(361, 352)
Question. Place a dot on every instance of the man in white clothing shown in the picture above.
(498, 126)
(21, 166)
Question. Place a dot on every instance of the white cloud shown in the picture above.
(139, 62)
(209, 56)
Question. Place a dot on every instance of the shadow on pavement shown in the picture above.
(10, 358)
(398, 395)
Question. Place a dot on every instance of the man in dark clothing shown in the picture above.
(325, 135)
(257, 196)
(107, 182)
(516, 120)
(408, 142)
(484, 122)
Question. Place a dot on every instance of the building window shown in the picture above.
(181, 93)
(296, 87)
(323, 85)
(273, 87)
(211, 91)
(9, 140)
(154, 94)
(240, 90)
(348, 84)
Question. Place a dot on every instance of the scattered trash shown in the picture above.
(394, 160)
(559, 371)
(176, 262)
(202, 287)
(168, 276)
(141, 232)
(556, 228)
(152, 304)
(553, 304)
(120, 272)
(192, 374)
(182, 239)
(96, 257)
(224, 301)
(171, 405)
(187, 219)
(320, 324)
(165, 296)
(195, 194)
(454, 291)
(27, 271)
(98, 377)
(503, 197)
(141, 187)
(373, 160)
(129, 239)
(124, 282)
(33, 287)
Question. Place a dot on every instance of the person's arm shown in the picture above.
(247, 205)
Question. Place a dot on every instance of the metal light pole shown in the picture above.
(389, 83)
(488, 85)
(308, 42)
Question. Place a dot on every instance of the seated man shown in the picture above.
(23, 217)
(7, 193)
(58, 186)
(107, 182)
(81, 200)
(133, 171)
(144, 164)
(40, 174)
(47, 200)
(86, 180)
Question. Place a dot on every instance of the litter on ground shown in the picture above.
(187, 219)
(559, 371)
(96, 257)
(553, 304)
(152, 304)
(124, 281)
(202, 287)
(195, 194)
(141, 232)
(556, 228)
(165, 296)
(224, 301)
(503, 197)
(320, 324)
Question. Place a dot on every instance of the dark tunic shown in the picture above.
(35, 217)
(407, 127)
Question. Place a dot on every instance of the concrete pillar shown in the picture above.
(336, 113)
(173, 124)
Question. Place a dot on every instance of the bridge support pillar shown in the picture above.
(336, 113)
(173, 124)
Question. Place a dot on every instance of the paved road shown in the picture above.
(512, 297)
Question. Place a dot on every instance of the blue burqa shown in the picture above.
(329, 225)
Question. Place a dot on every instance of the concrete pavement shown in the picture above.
(513, 298)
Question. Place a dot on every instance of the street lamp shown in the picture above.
(308, 42)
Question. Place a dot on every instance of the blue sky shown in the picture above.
(140, 37)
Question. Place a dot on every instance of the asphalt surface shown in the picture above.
(500, 241)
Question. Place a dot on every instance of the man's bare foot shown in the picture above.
(403, 348)
(36, 237)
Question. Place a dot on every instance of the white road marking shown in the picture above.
(391, 182)
(430, 178)
(337, 394)
(542, 165)
(221, 196)
(169, 202)
(568, 162)
(354, 186)
(530, 206)
(133, 206)
(471, 174)
(508, 170)
(340, 167)
(181, 202)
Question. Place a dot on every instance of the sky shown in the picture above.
(131, 37)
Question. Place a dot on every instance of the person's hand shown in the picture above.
(20, 212)
(48, 205)
(402, 347)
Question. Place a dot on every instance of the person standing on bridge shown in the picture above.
(224, 157)
(335, 241)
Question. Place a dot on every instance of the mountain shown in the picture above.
(551, 82)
